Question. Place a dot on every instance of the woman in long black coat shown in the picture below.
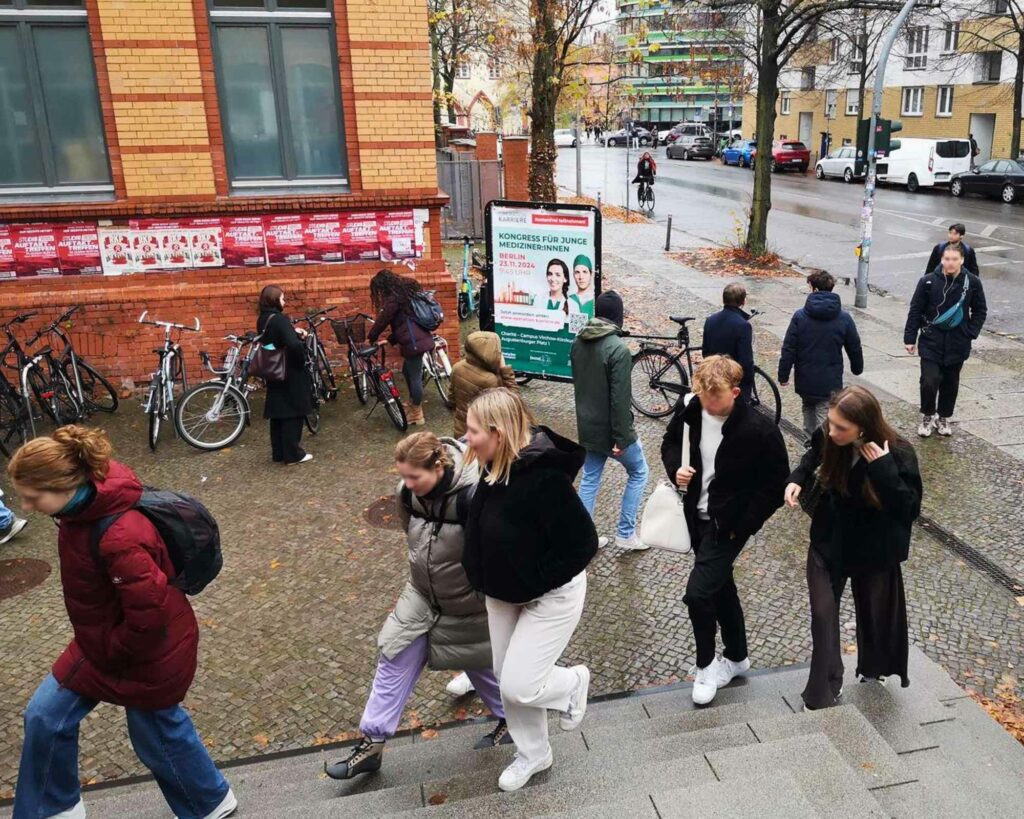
(289, 401)
(860, 529)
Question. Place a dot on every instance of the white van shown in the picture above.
(925, 162)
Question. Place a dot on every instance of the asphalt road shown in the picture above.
(818, 223)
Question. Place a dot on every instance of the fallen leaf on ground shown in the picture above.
(429, 733)
(437, 799)
(262, 740)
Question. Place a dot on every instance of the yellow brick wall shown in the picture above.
(155, 122)
(388, 20)
(168, 174)
(147, 19)
(398, 168)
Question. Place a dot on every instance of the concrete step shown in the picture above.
(779, 798)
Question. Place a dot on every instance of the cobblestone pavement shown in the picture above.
(288, 630)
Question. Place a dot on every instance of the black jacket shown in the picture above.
(728, 332)
(533, 534)
(853, 536)
(750, 469)
(970, 258)
(817, 335)
(411, 339)
(933, 296)
(291, 398)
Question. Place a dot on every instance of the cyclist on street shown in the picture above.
(646, 170)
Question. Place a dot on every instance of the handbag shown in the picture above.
(269, 364)
(811, 496)
(663, 521)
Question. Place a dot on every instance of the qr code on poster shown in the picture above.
(577, 321)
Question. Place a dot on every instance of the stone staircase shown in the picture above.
(926, 751)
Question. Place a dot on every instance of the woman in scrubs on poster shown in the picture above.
(558, 285)
(582, 301)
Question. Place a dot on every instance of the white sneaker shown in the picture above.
(76, 812)
(571, 719)
(602, 542)
(520, 771)
(459, 686)
(927, 425)
(12, 533)
(632, 543)
(943, 427)
(705, 682)
(227, 806)
(305, 459)
(728, 670)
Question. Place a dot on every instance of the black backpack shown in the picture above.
(426, 312)
(187, 529)
(463, 498)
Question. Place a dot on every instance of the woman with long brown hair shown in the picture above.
(860, 529)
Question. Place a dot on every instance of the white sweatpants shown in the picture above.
(526, 641)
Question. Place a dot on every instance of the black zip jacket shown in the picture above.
(970, 258)
(935, 294)
(533, 534)
(751, 466)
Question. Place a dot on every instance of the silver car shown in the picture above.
(691, 147)
(838, 163)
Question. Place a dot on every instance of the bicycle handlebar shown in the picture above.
(67, 314)
(168, 325)
(310, 316)
(21, 318)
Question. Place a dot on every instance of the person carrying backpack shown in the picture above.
(135, 635)
(399, 302)
(439, 619)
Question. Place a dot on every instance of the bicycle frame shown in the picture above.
(170, 352)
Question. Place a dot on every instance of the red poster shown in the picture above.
(146, 249)
(175, 248)
(6, 254)
(244, 245)
(396, 234)
(116, 251)
(206, 240)
(359, 236)
(286, 242)
(78, 250)
(35, 250)
(322, 237)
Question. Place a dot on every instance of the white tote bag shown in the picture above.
(663, 522)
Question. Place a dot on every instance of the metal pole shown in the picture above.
(668, 233)
(629, 139)
(579, 148)
(868, 209)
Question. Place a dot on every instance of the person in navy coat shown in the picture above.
(728, 332)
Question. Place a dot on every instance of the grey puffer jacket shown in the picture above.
(438, 599)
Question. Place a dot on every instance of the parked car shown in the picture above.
(565, 138)
(739, 153)
(922, 162)
(691, 147)
(622, 136)
(787, 154)
(663, 135)
(1003, 178)
(839, 163)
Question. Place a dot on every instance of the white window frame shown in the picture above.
(917, 49)
(912, 94)
(835, 51)
(493, 70)
(944, 96)
(986, 58)
(808, 78)
(857, 56)
(950, 36)
(831, 103)
(852, 102)
(785, 103)
(463, 71)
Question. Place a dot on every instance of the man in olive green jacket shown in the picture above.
(601, 366)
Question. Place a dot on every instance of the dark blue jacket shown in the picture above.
(970, 258)
(728, 332)
(817, 335)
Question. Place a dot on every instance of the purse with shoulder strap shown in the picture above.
(663, 521)
(270, 365)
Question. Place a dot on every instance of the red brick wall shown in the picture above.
(517, 168)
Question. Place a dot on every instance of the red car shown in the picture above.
(787, 154)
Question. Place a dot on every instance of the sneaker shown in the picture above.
(305, 459)
(571, 719)
(227, 806)
(943, 427)
(459, 686)
(632, 543)
(927, 425)
(366, 757)
(602, 542)
(76, 812)
(705, 682)
(728, 670)
(520, 771)
(12, 533)
(499, 736)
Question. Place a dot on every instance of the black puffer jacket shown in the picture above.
(291, 398)
(814, 344)
(533, 534)
(934, 295)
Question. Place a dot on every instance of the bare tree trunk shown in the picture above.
(435, 77)
(545, 91)
(767, 95)
(1018, 90)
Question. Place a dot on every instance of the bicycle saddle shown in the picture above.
(681, 319)
(367, 352)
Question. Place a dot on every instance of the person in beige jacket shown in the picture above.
(481, 368)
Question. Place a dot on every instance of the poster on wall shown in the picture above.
(206, 242)
(6, 254)
(359, 236)
(244, 244)
(175, 248)
(322, 238)
(146, 253)
(396, 234)
(545, 263)
(35, 250)
(286, 241)
(116, 251)
(78, 250)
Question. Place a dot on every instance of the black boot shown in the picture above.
(499, 736)
(366, 757)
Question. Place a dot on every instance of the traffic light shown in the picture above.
(893, 126)
(884, 143)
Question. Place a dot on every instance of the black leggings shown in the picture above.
(285, 434)
(412, 369)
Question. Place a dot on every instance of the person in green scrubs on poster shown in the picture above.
(558, 285)
(582, 301)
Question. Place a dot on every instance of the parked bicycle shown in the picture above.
(159, 404)
(16, 413)
(469, 295)
(660, 381)
(321, 375)
(214, 414)
(370, 376)
(437, 367)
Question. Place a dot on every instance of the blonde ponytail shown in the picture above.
(69, 458)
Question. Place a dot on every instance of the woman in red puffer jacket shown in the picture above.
(135, 635)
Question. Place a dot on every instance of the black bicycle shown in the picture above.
(321, 375)
(159, 405)
(90, 390)
(659, 380)
(351, 332)
(645, 196)
(381, 381)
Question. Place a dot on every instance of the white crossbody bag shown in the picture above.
(663, 521)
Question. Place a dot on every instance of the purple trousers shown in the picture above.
(393, 684)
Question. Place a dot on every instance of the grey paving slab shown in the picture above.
(1015, 451)
(634, 807)
(976, 729)
(997, 431)
(898, 723)
(818, 768)
(777, 798)
(932, 676)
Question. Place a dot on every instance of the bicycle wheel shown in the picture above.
(12, 424)
(313, 421)
(43, 392)
(157, 401)
(328, 384)
(659, 382)
(649, 202)
(97, 393)
(65, 404)
(765, 397)
(522, 379)
(443, 378)
(386, 394)
(357, 366)
(463, 308)
(210, 416)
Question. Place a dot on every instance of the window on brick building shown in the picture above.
(944, 101)
(917, 48)
(278, 84)
(462, 70)
(493, 70)
(51, 128)
(990, 66)
(950, 36)
(913, 101)
(852, 102)
(785, 102)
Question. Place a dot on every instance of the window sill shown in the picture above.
(908, 114)
(255, 187)
(986, 82)
(56, 196)
(944, 116)
(915, 68)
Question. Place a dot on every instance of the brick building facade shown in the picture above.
(204, 109)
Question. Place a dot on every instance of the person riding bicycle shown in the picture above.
(646, 170)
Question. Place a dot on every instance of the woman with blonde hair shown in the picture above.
(135, 636)
(528, 542)
(439, 619)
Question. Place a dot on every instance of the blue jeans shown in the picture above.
(6, 518)
(633, 461)
(165, 741)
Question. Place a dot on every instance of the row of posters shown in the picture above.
(231, 241)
